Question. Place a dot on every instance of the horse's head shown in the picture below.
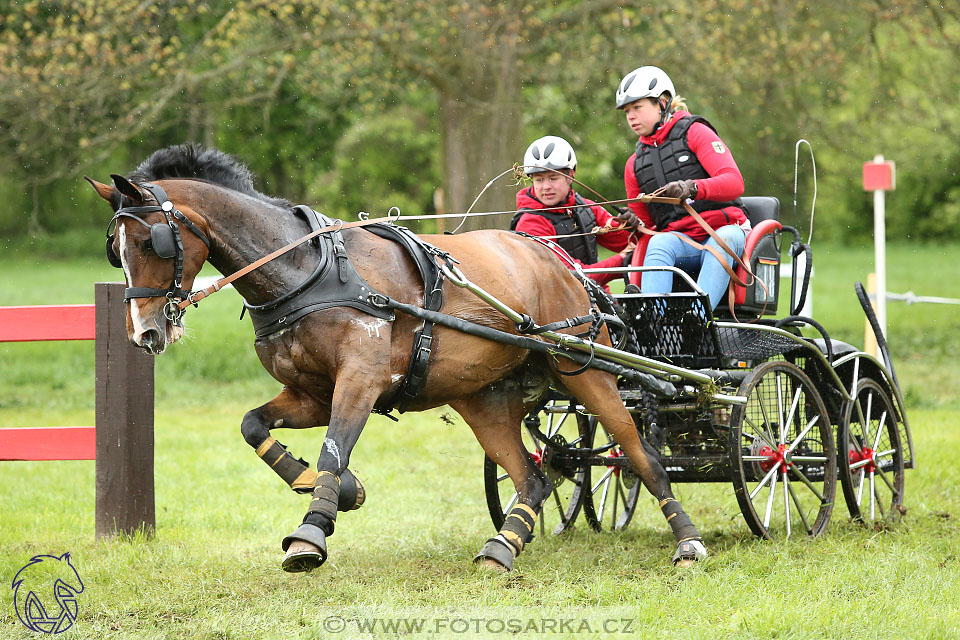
(161, 247)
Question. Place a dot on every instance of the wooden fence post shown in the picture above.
(124, 407)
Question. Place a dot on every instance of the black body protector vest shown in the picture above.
(673, 160)
(578, 220)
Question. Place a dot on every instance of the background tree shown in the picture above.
(363, 105)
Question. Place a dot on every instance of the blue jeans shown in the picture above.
(667, 250)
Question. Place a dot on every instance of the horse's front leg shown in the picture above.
(353, 399)
(293, 409)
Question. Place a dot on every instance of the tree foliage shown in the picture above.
(362, 105)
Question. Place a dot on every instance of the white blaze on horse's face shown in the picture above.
(148, 328)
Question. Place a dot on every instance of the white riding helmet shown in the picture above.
(549, 152)
(643, 82)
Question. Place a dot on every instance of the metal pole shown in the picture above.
(879, 255)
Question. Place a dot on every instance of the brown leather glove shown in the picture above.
(683, 189)
(628, 220)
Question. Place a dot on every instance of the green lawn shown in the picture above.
(212, 568)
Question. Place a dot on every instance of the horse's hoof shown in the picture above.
(492, 565)
(495, 555)
(302, 557)
(306, 549)
(689, 552)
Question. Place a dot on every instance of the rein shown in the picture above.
(180, 300)
(193, 297)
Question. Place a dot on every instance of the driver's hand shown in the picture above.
(629, 220)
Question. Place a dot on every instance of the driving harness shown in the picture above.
(348, 289)
(320, 290)
(333, 283)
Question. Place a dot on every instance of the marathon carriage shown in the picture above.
(752, 403)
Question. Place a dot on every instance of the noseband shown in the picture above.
(165, 241)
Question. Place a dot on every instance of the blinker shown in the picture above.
(162, 240)
(112, 257)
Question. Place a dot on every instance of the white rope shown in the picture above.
(911, 298)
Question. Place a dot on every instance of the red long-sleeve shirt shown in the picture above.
(724, 184)
(537, 225)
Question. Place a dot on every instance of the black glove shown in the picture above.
(628, 220)
(683, 189)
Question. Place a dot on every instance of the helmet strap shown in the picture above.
(664, 114)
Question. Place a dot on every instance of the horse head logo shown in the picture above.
(45, 593)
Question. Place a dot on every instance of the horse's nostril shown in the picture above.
(151, 339)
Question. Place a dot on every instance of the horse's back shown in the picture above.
(519, 271)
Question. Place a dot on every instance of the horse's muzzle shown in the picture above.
(152, 341)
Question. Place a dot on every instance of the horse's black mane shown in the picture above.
(195, 161)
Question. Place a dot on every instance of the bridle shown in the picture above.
(165, 242)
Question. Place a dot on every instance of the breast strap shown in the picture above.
(334, 283)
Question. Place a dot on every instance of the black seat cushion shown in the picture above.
(760, 208)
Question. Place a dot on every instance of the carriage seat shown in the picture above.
(760, 208)
(762, 253)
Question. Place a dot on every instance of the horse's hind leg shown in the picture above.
(294, 410)
(597, 391)
(495, 415)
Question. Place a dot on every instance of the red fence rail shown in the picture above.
(122, 440)
(48, 322)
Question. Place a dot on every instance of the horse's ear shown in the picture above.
(103, 190)
(127, 188)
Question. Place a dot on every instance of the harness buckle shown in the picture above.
(378, 300)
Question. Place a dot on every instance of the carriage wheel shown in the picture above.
(871, 457)
(568, 429)
(612, 492)
(784, 462)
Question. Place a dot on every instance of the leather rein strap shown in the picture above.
(196, 296)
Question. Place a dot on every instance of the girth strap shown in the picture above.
(424, 257)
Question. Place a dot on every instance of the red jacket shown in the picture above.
(724, 184)
(537, 225)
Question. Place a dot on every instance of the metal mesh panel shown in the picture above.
(749, 343)
(676, 328)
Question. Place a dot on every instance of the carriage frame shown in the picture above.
(782, 417)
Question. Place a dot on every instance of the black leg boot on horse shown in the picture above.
(291, 411)
(306, 548)
(598, 393)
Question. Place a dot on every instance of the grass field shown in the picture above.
(401, 564)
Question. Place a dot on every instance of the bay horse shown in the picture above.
(336, 363)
